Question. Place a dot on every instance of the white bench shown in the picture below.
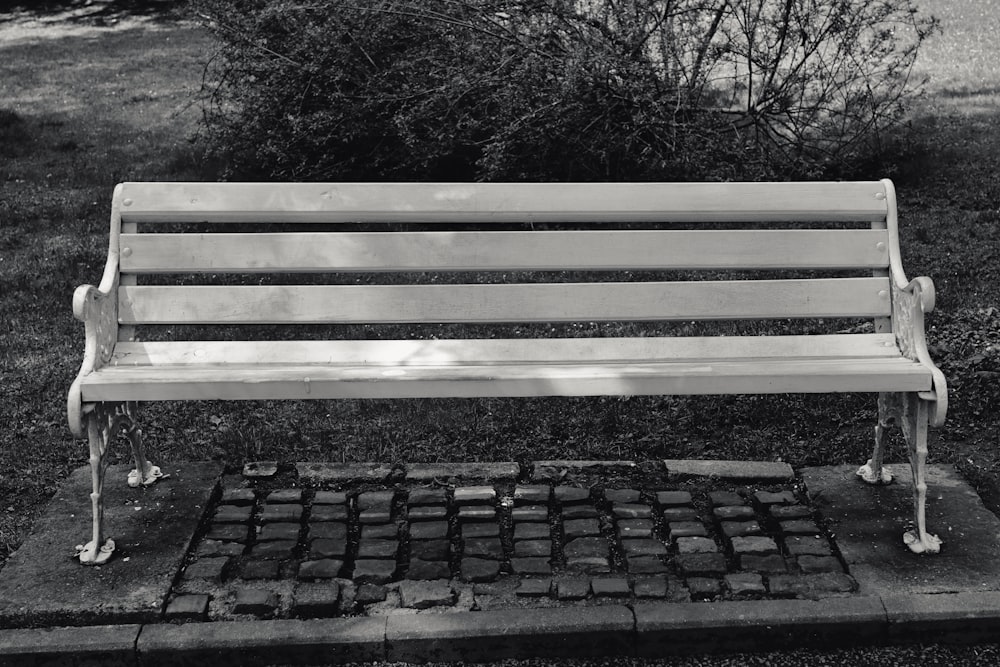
(220, 254)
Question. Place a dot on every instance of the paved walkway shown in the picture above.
(437, 540)
(337, 562)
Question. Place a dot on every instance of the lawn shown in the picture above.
(84, 106)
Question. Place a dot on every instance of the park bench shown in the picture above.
(237, 291)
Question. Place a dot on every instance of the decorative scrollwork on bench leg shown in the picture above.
(105, 422)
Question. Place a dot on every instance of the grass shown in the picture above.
(84, 107)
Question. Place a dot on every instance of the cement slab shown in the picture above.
(105, 645)
(44, 584)
(957, 617)
(868, 523)
(486, 636)
(664, 628)
(426, 472)
(769, 471)
(559, 469)
(253, 643)
(318, 473)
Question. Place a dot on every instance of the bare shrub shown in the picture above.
(557, 89)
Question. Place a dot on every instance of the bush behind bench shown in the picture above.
(567, 91)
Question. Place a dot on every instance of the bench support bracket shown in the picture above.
(910, 411)
(105, 422)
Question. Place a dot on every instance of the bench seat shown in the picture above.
(246, 370)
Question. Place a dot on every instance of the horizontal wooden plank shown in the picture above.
(501, 202)
(571, 379)
(484, 352)
(514, 251)
(544, 302)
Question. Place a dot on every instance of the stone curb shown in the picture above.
(513, 633)
(222, 644)
(648, 630)
(664, 628)
(112, 645)
(764, 471)
(965, 617)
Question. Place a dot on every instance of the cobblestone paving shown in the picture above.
(275, 547)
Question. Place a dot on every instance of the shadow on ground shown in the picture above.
(96, 12)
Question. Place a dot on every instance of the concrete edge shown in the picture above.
(333, 471)
(949, 617)
(500, 471)
(662, 628)
(486, 636)
(542, 470)
(650, 629)
(762, 471)
(112, 645)
(336, 640)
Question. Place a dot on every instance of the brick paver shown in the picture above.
(255, 601)
(187, 608)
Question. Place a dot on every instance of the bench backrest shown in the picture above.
(540, 252)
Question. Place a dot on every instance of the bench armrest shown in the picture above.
(910, 301)
(97, 308)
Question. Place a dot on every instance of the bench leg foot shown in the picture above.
(144, 473)
(915, 423)
(872, 472)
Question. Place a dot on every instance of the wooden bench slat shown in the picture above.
(501, 202)
(570, 379)
(516, 251)
(429, 352)
(545, 302)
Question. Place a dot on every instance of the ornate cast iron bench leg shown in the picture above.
(105, 421)
(872, 471)
(911, 413)
(915, 424)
